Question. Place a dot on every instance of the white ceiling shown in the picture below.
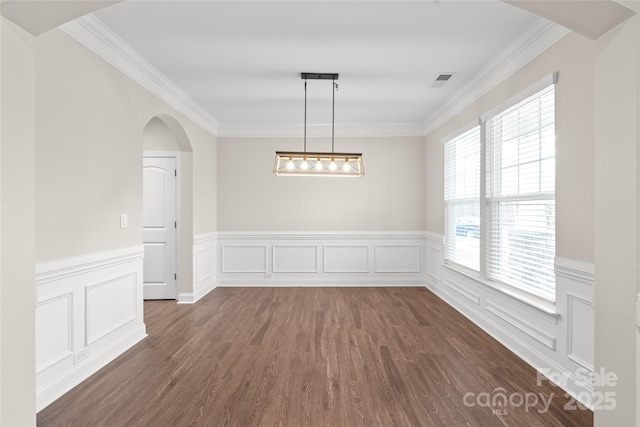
(241, 60)
(40, 16)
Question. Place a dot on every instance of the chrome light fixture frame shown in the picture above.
(305, 163)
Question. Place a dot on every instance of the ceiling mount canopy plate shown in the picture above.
(319, 76)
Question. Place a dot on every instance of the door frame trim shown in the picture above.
(175, 155)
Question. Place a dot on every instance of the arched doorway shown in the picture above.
(167, 209)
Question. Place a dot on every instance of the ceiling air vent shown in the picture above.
(442, 79)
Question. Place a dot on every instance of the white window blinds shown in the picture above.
(462, 199)
(499, 195)
(521, 194)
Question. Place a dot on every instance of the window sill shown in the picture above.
(539, 303)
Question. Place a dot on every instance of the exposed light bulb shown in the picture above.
(318, 164)
(332, 166)
(346, 167)
(290, 164)
(304, 165)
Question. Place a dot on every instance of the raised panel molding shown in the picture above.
(109, 305)
(397, 258)
(580, 347)
(346, 259)
(244, 258)
(204, 267)
(460, 290)
(88, 312)
(513, 320)
(434, 263)
(54, 327)
(330, 258)
(295, 259)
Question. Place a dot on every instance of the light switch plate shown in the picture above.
(124, 220)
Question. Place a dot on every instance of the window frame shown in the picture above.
(540, 300)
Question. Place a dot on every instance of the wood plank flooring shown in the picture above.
(312, 357)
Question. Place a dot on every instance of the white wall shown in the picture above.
(17, 307)
(390, 196)
(617, 121)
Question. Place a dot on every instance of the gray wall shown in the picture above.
(390, 196)
(573, 58)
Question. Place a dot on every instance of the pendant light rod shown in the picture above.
(305, 115)
(333, 114)
(319, 163)
(321, 76)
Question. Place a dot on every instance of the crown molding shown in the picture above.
(96, 36)
(320, 130)
(538, 38)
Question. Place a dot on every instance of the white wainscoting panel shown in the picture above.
(295, 258)
(524, 327)
(54, 321)
(434, 257)
(109, 305)
(462, 291)
(556, 339)
(89, 310)
(398, 258)
(204, 268)
(580, 342)
(244, 259)
(346, 259)
(321, 258)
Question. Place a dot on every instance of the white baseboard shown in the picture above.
(329, 283)
(193, 297)
(186, 298)
(89, 311)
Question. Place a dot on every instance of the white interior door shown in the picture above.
(159, 227)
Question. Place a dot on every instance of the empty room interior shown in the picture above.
(337, 213)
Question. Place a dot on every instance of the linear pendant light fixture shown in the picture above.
(307, 163)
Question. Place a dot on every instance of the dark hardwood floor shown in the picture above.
(313, 357)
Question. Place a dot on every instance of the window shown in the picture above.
(462, 199)
(504, 227)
